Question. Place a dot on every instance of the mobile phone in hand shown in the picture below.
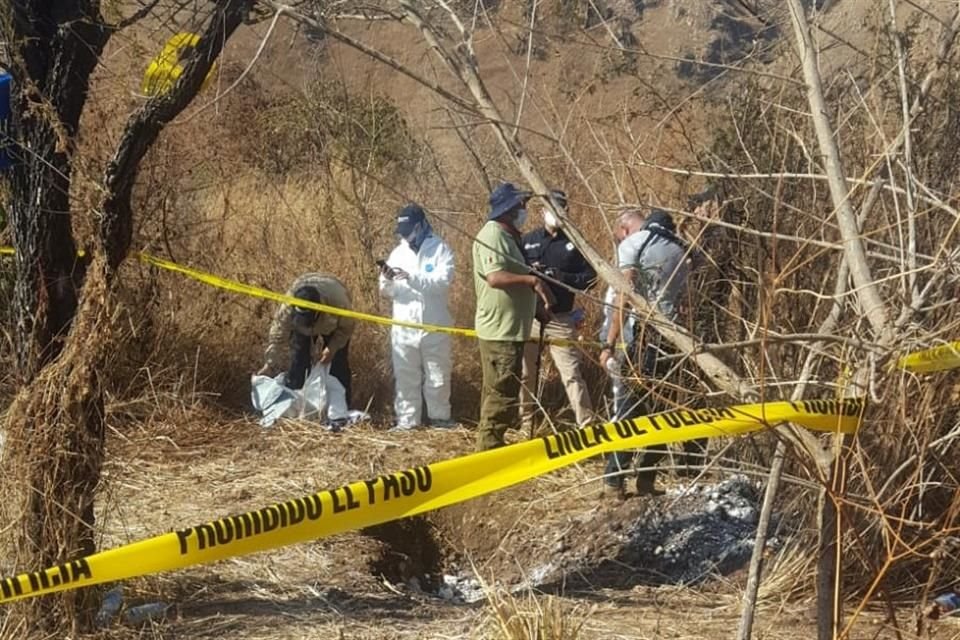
(386, 269)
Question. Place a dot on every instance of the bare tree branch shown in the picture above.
(137, 16)
(370, 51)
(912, 291)
(798, 176)
(246, 71)
(828, 582)
(463, 65)
(873, 305)
(826, 329)
(145, 125)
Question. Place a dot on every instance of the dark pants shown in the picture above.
(502, 365)
(340, 369)
(646, 353)
(620, 461)
(301, 348)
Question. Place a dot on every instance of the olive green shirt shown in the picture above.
(337, 329)
(502, 314)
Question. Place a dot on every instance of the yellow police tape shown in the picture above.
(266, 294)
(418, 490)
(9, 251)
(936, 359)
(259, 292)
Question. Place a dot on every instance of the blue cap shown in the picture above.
(408, 218)
(505, 198)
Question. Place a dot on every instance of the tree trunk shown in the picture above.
(868, 294)
(54, 449)
(56, 46)
(829, 597)
(748, 607)
(55, 427)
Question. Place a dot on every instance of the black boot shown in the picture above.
(646, 485)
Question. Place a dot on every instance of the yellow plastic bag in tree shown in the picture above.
(166, 68)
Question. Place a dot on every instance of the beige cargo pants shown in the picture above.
(567, 360)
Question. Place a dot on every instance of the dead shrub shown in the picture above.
(898, 506)
(528, 617)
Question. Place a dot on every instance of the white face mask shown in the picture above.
(521, 218)
(550, 220)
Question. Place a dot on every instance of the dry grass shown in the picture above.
(272, 189)
(531, 618)
(170, 473)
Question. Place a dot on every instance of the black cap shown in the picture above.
(310, 294)
(697, 199)
(408, 218)
(660, 217)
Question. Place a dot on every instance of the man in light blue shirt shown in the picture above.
(655, 260)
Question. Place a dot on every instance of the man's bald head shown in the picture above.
(629, 221)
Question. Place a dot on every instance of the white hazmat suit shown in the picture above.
(421, 359)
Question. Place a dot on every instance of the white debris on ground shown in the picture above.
(710, 529)
(687, 536)
(461, 588)
(684, 537)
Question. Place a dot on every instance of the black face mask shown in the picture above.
(415, 239)
(304, 318)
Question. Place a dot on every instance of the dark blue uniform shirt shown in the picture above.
(557, 256)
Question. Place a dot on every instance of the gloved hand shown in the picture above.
(545, 294)
(543, 315)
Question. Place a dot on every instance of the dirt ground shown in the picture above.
(600, 581)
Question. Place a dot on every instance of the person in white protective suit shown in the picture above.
(416, 277)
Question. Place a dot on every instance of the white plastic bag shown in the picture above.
(322, 396)
(270, 398)
(311, 399)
